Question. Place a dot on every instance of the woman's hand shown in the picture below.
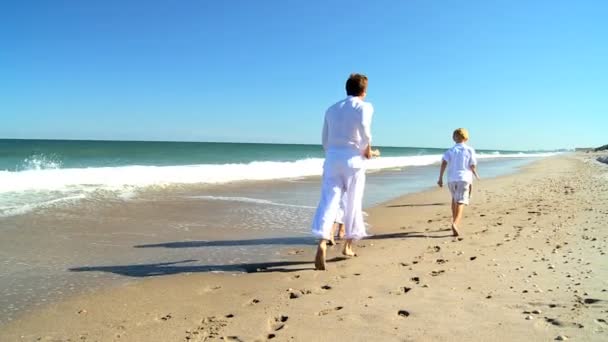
(368, 152)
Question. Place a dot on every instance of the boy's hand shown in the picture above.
(375, 153)
(440, 183)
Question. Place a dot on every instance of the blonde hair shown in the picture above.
(461, 133)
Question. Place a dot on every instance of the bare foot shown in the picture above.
(349, 253)
(348, 249)
(320, 257)
(455, 231)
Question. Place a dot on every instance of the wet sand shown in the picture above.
(531, 265)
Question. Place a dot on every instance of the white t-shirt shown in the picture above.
(460, 158)
(347, 126)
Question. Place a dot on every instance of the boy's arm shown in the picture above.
(444, 165)
(474, 170)
(474, 164)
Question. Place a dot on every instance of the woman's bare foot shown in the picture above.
(455, 231)
(349, 253)
(348, 249)
(320, 257)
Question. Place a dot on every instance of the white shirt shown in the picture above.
(460, 158)
(347, 127)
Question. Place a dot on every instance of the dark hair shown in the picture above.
(356, 84)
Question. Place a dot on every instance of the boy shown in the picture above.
(461, 162)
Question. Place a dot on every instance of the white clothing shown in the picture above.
(340, 216)
(346, 134)
(347, 126)
(460, 158)
(340, 182)
(460, 191)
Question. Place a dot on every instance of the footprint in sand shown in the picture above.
(209, 328)
(403, 313)
(436, 273)
(591, 300)
(328, 311)
(277, 324)
(402, 290)
(293, 294)
(554, 321)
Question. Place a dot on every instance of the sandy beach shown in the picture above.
(530, 266)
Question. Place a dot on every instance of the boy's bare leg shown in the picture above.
(459, 208)
(320, 257)
(348, 248)
(341, 231)
(454, 205)
(331, 240)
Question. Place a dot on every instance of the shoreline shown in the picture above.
(432, 289)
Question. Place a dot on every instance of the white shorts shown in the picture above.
(460, 191)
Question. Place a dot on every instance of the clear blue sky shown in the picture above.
(518, 74)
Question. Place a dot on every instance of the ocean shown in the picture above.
(77, 215)
(38, 174)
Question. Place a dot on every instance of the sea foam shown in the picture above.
(112, 178)
(36, 188)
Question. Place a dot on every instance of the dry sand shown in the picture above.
(531, 266)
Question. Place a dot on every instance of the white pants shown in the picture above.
(341, 182)
(340, 215)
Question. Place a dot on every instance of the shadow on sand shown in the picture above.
(169, 268)
(296, 241)
(306, 240)
(406, 235)
(415, 205)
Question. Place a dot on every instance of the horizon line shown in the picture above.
(274, 143)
